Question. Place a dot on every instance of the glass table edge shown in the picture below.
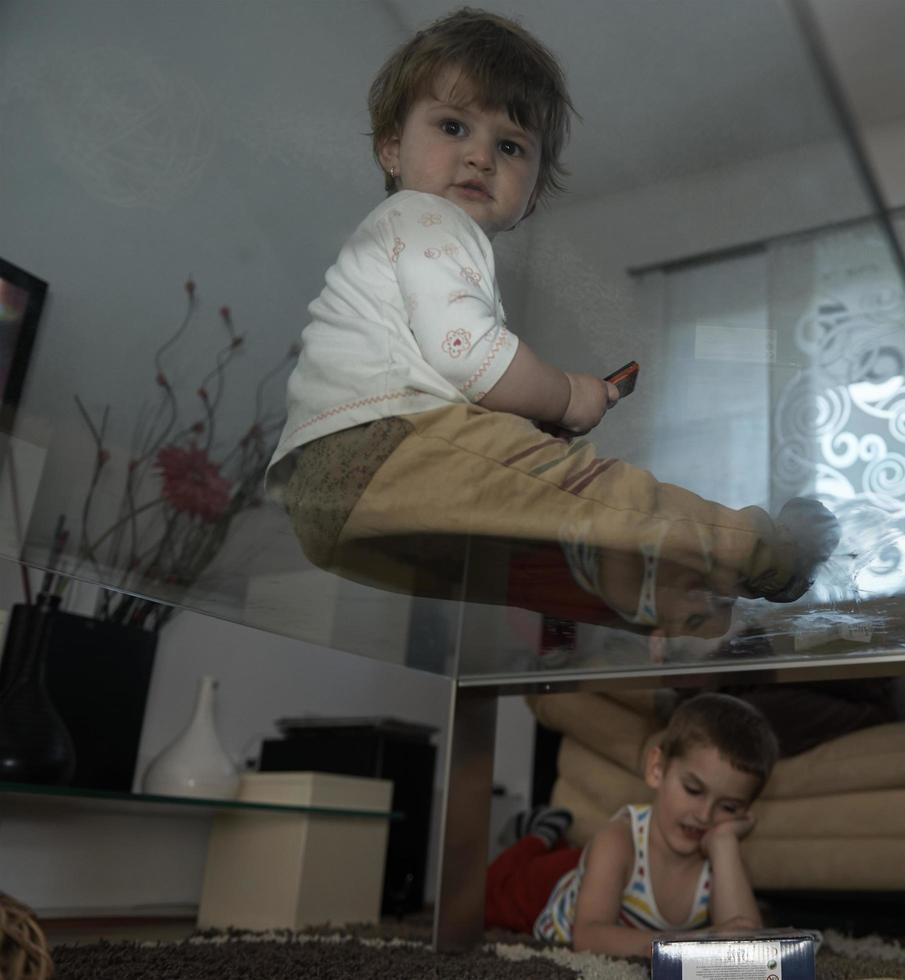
(176, 803)
(696, 674)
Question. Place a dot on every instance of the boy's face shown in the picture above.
(477, 158)
(694, 793)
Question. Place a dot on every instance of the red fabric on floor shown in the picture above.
(520, 880)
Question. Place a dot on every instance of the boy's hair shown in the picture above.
(736, 729)
(508, 69)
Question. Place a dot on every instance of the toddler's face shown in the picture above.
(695, 792)
(477, 158)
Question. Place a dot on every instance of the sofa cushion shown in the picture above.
(826, 864)
(869, 759)
(615, 729)
(607, 785)
(622, 731)
(854, 816)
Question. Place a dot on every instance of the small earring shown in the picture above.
(393, 173)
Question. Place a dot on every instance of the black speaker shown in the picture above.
(380, 748)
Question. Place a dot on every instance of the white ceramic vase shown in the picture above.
(195, 764)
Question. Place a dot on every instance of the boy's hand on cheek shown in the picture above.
(732, 830)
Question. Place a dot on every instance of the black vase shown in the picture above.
(35, 745)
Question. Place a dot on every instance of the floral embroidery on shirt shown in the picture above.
(501, 341)
(469, 275)
(410, 303)
(429, 218)
(432, 253)
(458, 295)
(398, 246)
(450, 248)
(457, 342)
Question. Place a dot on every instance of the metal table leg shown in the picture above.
(468, 785)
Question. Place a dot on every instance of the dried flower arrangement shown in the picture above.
(183, 488)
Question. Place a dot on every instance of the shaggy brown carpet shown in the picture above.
(402, 952)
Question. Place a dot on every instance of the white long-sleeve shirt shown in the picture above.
(410, 319)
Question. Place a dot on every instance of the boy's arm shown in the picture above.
(731, 896)
(534, 389)
(596, 927)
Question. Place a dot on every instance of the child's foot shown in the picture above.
(816, 531)
(547, 822)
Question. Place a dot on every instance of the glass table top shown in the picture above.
(181, 202)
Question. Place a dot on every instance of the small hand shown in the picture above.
(589, 401)
(735, 829)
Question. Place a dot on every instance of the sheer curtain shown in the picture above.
(835, 303)
(709, 425)
(785, 376)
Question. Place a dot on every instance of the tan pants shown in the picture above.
(442, 503)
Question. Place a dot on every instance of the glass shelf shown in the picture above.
(722, 233)
(153, 804)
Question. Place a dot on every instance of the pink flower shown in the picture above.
(192, 484)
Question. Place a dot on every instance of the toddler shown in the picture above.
(423, 435)
(668, 866)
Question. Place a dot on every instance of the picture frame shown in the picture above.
(22, 297)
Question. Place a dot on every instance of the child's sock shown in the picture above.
(547, 822)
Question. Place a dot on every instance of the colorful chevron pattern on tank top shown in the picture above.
(639, 907)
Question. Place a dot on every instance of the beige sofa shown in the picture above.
(831, 818)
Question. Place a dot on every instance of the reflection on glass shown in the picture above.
(838, 419)
(814, 413)
(184, 483)
(420, 428)
(767, 375)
